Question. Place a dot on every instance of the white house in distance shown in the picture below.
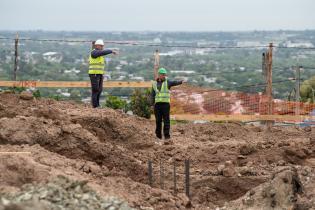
(298, 44)
(72, 71)
(52, 57)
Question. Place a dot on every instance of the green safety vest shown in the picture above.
(163, 95)
(97, 65)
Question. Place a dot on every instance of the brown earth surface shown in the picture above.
(233, 166)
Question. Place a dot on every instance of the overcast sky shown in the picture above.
(158, 15)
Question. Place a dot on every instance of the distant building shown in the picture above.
(79, 61)
(29, 56)
(118, 68)
(210, 79)
(123, 62)
(181, 78)
(183, 71)
(172, 53)
(8, 58)
(133, 77)
(72, 71)
(66, 94)
(157, 41)
(298, 44)
(52, 57)
(121, 77)
(137, 78)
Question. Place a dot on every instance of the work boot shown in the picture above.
(168, 142)
(158, 140)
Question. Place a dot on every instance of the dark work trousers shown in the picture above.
(97, 88)
(162, 112)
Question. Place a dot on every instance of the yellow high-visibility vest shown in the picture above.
(163, 95)
(97, 65)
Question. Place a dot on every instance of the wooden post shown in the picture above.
(16, 41)
(269, 84)
(297, 89)
(156, 63)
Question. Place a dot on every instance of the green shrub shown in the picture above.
(140, 103)
(36, 94)
(17, 89)
(115, 102)
(55, 97)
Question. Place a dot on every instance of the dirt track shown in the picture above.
(231, 164)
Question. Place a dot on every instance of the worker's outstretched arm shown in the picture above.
(97, 53)
(172, 83)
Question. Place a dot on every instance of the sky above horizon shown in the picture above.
(161, 15)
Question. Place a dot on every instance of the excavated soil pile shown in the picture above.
(233, 166)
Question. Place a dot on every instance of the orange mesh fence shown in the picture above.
(197, 100)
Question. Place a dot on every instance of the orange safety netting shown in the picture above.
(198, 100)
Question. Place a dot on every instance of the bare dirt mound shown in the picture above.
(111, 150)
(20, 170)
(281, 192)
(69, 140)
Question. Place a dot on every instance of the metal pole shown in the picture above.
(150, 172)
(16, 42)
(187, 178)
(161, 175)
(297, 89)
(175, 178)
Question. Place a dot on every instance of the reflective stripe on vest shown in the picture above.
(97, 65)
(163, 95)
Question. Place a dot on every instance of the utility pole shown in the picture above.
(16, 41)
(264, 74)
(156, 64)
(269, 84)
(263, 68)
(297, 88)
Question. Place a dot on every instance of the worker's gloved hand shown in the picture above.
(115, 52)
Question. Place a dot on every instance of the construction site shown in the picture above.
(229, 150)
(55, 155)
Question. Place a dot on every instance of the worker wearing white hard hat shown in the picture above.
(99, 42)
(97, 64)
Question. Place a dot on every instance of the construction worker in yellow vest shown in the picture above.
(161, 99)
(97, 64)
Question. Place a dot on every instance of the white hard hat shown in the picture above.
(99, 42)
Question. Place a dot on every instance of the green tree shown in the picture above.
(140, 103)
(308, 90)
